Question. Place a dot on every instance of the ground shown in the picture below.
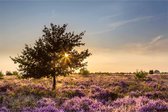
(77, 93)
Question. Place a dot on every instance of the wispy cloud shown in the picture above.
(156, 45)
(109, 17)
(118, 24)
(114, 25)
(156, 39)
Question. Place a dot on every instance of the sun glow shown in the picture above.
(66, 55)
(66, 58)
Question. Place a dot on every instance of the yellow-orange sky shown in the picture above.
(111, 61)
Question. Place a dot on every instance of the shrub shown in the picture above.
(37, 90)
(84, 72)
(27, 109)
(83, 104)
(140, 104)
(4, 109)
(154, 106)
(70, 93)
(141, 74)
(121, 102)
(45, 102)
(47, 109)
(8, 73)
(42, 109)
(15, 73)
(102, 95)
(123, 84)
(151, 72)
(1, 75)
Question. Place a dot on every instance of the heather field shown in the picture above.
(92, 93)
(83, 55)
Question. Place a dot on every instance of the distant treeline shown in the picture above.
(127, 73)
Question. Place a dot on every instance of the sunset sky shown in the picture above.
(123, 35)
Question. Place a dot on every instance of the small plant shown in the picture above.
(1, 75)
(8, 73)
(84, 72)
(140, 74)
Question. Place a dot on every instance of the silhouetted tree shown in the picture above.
(151, 72)
(52, 55)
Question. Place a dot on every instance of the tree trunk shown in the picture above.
(54, 83)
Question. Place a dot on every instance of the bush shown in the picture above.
(41, 109)
(102, 95)
(70, 93)
(47, 109)
(151, 72)
(1, 75)
(15, 73)
(84, 72)
(83, 104)
(4, 109)
(46, 102)
(140, 104)
(154, 106)
(9, 73)
(141, 74)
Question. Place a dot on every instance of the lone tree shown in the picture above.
(52, 55)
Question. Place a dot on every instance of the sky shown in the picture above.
(122, 35)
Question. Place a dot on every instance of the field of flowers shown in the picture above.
(94, 93)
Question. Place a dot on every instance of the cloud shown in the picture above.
(109, 17)
(157, 45)
(114, 25)
(118, 24)
(156, 39)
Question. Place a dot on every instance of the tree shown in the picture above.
(151, 72)
(157, 72)
(52, 55)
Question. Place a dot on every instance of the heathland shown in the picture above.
(85, 93)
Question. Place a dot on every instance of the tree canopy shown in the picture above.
(53, 54)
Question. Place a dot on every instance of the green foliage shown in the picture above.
(1, 75)
(9, 73)
(84, 72)
(140, 74)
(151, 72)
(15, 73)
(53, 54)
